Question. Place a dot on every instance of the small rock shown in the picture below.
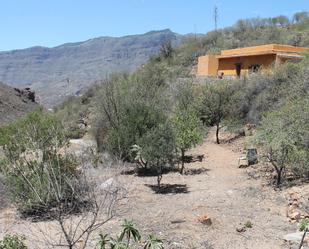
(241, 229)
(109, 185)
(205, 219)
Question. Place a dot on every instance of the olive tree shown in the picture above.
(157, 148)
(215, 104)
(187, 132)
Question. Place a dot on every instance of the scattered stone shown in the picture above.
(177, 221)
(241, 229)
(205, 219)
(109, 185)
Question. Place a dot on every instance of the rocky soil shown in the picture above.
(215, 204)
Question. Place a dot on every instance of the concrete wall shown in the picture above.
(207, 65)
(228, 67)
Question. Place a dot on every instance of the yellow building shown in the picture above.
(235, 62)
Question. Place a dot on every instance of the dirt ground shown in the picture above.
(216, 187)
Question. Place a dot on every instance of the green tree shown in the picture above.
(215, 104)
(166, 50)
(283, 136)
(187, 132)
(158, 147)
(301, 16)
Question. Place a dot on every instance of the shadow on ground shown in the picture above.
(169, 188)
(197, 171)
(148, 172)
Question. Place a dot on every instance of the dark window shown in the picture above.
(254, 68)
(238, 69)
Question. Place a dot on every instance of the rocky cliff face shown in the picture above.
(55, 73)
(15, 103)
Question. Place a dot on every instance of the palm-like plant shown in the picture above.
(153, 242)
(104, 241)
(129, 231)
(118, 243)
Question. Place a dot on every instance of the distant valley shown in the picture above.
(55, 73)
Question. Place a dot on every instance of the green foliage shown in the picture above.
(13, 242)
(304, 223)
(248, 224)
(153, 242)
(129, 231)
(187, 130)
(283, 134)
(103, 240)
(36, 175)
(36, 131)
(128, 111)
(215, 104)
(72, 111)
(158, 146)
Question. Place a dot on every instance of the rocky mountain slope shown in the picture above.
(15, 103)
(68, 69)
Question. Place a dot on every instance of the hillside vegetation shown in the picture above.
(126, 110)
(149, 120)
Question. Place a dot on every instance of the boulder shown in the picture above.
(110, 185)
(252, 156)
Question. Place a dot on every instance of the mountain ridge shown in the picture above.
(70, 68)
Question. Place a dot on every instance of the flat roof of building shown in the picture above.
(262, 49)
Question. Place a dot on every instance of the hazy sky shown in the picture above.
(25, 23)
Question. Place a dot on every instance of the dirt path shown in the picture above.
(224, 192)
(215, 187)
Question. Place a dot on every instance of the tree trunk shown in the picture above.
(279, 170)
(279, 176)
(182, 161)
(159, 177)
(217, 133)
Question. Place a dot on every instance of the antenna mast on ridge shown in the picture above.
(216, 16)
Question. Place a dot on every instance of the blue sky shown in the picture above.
(25, 23)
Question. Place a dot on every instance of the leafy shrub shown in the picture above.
(303, 225)
(124, 240)
(36, 173)
(283, 135)
(13, 242)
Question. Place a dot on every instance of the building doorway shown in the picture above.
(238, 69)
